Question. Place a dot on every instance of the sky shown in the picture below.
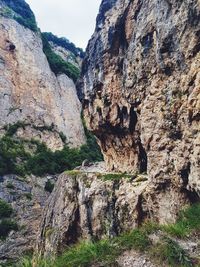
(73, 19)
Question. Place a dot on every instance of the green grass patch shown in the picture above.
(114, 176)
(188, 221)
(170, 252)
(105, 252)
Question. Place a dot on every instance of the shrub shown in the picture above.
(29, 196)
(21, 157)
(49, 186)
(11, 153)
(11, 129)
(6, 226)
(5, 209)
(10, 185)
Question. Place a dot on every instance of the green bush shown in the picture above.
(10, 185)
(6, 226)
(49, 186)
(12, 153)
(21, 157)
(5, 209)
(57, 64)
(15, 159)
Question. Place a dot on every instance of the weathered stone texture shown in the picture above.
(30, 92)
(141, 88)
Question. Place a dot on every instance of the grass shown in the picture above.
(170, 252)
(105, 252)
(114, 176)
(188, 221)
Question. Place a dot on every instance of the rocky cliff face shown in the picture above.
(39, 105)
(30, 92)
(141, 88)
(89, 204)
(28, 197)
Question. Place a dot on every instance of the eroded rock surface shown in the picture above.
(141, 88)
(91, 206)
(28, 198)
(30, 92)
(140, 91)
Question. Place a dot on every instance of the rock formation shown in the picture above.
(30, 91)
(141, 88)
(140, 91)
(41, 106)
(28, 199)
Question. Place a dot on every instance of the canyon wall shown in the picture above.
(36, 105)
(32, 93)
(141, 88)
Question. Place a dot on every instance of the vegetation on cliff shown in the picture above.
(23, 157)
(7, 224)
(57, 64)
(65, 43)
(20, 11)
(167, 250)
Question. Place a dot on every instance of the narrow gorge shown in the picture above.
(136, 92)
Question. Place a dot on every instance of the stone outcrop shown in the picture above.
(30, 91)
(28, 198)
(88, 205)
(141, 90)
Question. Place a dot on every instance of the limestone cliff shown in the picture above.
(31, 92)
(140, 91)
(40, 106)
(141, 95)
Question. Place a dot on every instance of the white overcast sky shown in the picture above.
(73, 19)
